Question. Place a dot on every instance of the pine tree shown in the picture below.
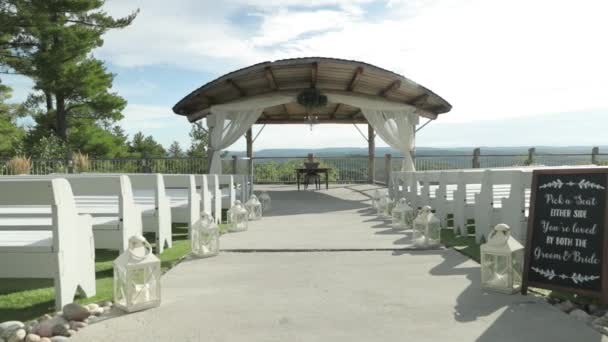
(11, 135)
(175, 151)
(199, 137)
(50, 41)
(145, 147)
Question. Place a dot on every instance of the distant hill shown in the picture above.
(429, 151)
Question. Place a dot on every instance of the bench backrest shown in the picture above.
(55, 193)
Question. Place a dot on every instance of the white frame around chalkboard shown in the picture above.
(603, 294)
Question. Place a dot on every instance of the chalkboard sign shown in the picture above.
(566, 247)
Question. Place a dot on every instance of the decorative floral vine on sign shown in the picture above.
(576, 278)
(583, 184)
(557, 184)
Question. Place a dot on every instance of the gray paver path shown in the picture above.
(386, 295)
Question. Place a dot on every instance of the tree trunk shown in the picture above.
(49, 100)
(61, 120)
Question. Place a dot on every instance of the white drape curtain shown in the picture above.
(394, 122)
(228, 122)
(225, 128)
(396, 128)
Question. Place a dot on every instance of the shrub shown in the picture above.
(19, 165)
(81, 162)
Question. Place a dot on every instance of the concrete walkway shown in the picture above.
(334, 295)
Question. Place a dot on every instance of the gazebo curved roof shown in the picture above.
(297, 74)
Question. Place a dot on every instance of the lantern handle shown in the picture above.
(136, 240)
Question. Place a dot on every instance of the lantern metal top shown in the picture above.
(500, 240)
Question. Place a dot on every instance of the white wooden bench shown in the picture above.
(211, 198)
(107, 198)
(224, 193)
(151, 196)
(185, 199)
(486, 196)
(59, 247)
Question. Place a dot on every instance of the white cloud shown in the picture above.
(157, 121)
(491, 59)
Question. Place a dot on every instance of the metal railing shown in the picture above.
(280, 170)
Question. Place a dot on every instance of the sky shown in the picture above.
(517, 73)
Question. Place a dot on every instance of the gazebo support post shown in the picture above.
(249, 139)
(371, 152)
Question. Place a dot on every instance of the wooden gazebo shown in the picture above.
(328, 75)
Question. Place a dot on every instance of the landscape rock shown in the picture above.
(75, 312)
(97, 312)
(46, 328)
(61, 330)
(92, 307)
(32, 338)
(59, 339)
(107, 303)
(579, 314)
(7, 328)
(71, 332)
(17, 336)
(45, 339)
(75, 325)
(566, 306)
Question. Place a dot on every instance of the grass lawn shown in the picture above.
(463, 244)
(27, 299)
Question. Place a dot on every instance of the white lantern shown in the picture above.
(384, 206)
(205, 237)
(502, 260)
(378, 194)
(403, 215)
(266, 202)
(254, 207)
(237, 217)
(427, 229)
(137, 277)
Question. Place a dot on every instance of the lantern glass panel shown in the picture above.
(496, 271)
(205, 237)
(383, 207)
(254, 208)
(403, 215)
(237, 218)
(427, 229)
(266, 202)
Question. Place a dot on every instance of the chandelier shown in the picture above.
(312, 100)
(311, 120)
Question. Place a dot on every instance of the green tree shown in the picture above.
(51, 42)
(11, 134)
(145, 147)
(199, 144)
(175, 151)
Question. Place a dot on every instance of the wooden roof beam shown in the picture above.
(286, 110)
(355, 79)
(391, 87)
(419, 100)
(352, 116)
(333, 114)
(240, 90)
(314, 75)
(301, 121)
(272, 81)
